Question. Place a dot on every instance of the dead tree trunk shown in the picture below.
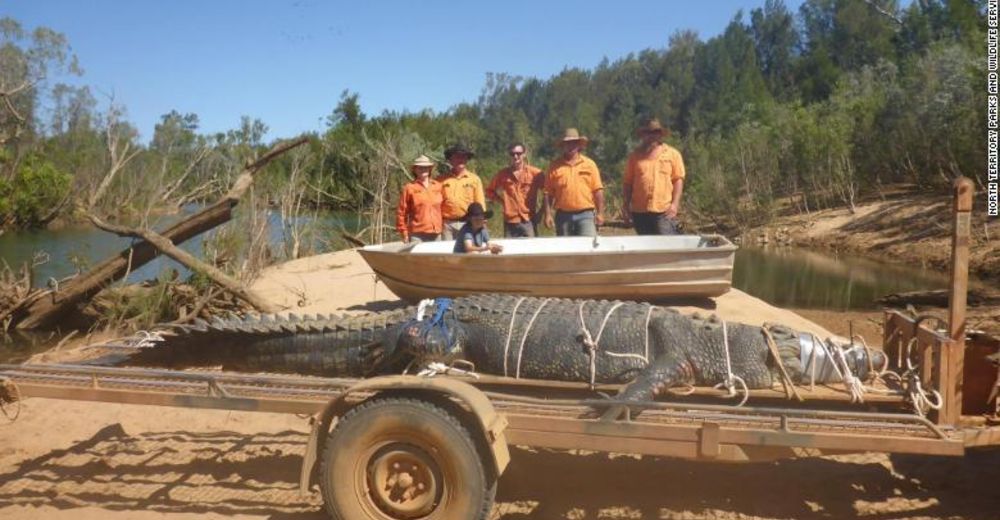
(119, 154)
(165, 246)
(48, 307)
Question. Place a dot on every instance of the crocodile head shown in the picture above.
(425, 342)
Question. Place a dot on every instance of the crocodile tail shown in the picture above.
(318, 345)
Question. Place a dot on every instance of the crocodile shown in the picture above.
(646, 348)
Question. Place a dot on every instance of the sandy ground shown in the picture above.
(93, 461)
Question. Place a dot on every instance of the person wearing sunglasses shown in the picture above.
(516, 188)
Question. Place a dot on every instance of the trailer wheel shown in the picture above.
(402, 458)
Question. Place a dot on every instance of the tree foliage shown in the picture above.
(817, 106)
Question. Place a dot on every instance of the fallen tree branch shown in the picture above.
(165, 246)
(198, 307)
(65, 339)
(352, 239)
(46, 308)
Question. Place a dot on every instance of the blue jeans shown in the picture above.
(575, 223)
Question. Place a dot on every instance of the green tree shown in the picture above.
(27, 58)
(776, 41)
(728, 80)
(35, 193)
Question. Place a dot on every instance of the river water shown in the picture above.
(73, 249)
(785, 277)
(802, 279)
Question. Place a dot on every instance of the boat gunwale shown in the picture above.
(632, 284)
(598, 272)
(723, 248)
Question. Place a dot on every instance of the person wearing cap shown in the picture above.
(460, 187)
(516, 187)
(418, 216)
(653, 183)
(474, 237)
(573, 187)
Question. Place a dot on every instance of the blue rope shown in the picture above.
(442, 305)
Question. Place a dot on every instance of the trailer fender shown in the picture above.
(489, 423)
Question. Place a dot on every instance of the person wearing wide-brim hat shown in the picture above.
(418, 215)
(574, 189)
(421, 163)
(653, 182)
(474, 237)
(456, 149)
(460, 187)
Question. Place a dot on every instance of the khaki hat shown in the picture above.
(423, 160)
(652, 125)
(572, 134)
(458, 148)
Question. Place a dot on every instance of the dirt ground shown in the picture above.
(92, 461)
(121, 461)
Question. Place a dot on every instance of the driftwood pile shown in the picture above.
(187, 303)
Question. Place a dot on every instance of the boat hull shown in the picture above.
(631, 268)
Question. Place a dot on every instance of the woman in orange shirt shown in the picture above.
(418, 216)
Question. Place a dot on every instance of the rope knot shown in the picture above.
(590, 343)
(731, 379)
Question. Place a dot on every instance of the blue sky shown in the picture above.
(287, 62)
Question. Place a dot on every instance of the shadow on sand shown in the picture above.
(230, 473)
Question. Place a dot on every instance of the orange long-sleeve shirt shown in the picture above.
(460, 191)
(651, 177)
(419, 209)
(519, 192)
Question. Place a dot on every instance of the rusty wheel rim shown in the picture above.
(403, 481)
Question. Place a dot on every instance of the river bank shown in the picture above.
(904, 228)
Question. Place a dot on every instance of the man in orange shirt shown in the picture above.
(418, 216)
(653, 183)
(573, 187)
(516, 187)
(460, 188)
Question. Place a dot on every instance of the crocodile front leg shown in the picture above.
(666, 371)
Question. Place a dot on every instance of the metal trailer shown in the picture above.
(403, 447)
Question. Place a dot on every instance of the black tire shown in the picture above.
(402, 458)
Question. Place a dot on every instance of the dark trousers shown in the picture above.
(654, 224)
(519, 229)
(424, 237)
